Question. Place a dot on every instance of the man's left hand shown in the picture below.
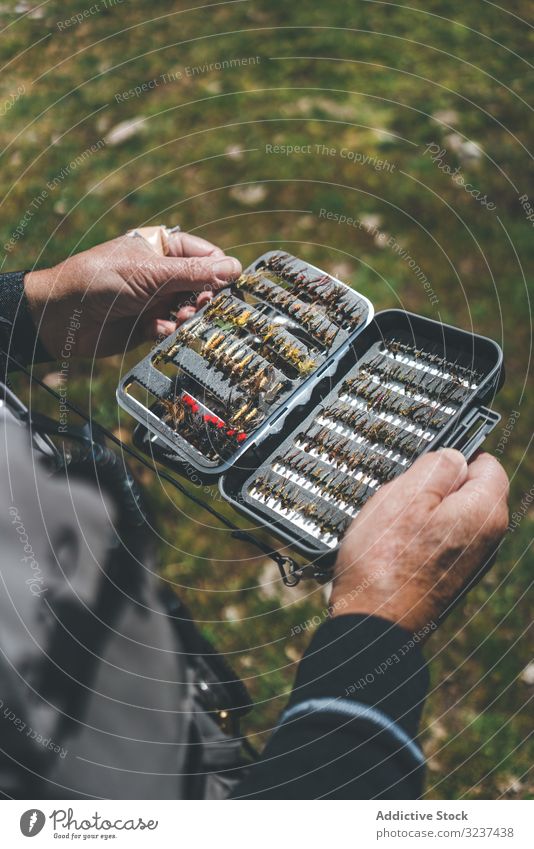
(124, 292)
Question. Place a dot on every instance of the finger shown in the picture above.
(194, 274)
(160, 327)
(166, 304)
(203, 299)
(431, 478)
(164, 326)
(184, 313)
(477, 517)
(484, 494)
(184, 244)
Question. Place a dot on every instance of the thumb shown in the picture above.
(484, 493)
(195, 273)
(432, 477)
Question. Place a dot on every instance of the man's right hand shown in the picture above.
(421, 539)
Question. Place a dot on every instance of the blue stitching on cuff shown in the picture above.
(355, 710)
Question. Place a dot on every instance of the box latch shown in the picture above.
(473, 430)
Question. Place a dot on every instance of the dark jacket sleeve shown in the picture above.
(18, 336)
(349, 730)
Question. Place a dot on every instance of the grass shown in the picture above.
(368, 78)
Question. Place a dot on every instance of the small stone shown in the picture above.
(527, 676)
(124, 131)
(370, 222)
(249, 195)
(232, 613)
(446, 116)
(234, 152)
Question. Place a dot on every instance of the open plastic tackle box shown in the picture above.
(289, 392)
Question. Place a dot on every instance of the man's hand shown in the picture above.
(125, 292)
(420, 540)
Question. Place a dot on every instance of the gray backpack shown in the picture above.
(109, 690)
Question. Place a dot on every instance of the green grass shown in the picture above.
(372, 78)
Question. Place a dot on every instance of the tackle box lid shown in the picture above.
(155, 384)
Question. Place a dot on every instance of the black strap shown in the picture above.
(289, 570)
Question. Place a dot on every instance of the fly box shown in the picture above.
(288, 392)
(228, 377)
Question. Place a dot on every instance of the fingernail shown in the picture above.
(454, 454)
(457, 457)
(226, 269)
